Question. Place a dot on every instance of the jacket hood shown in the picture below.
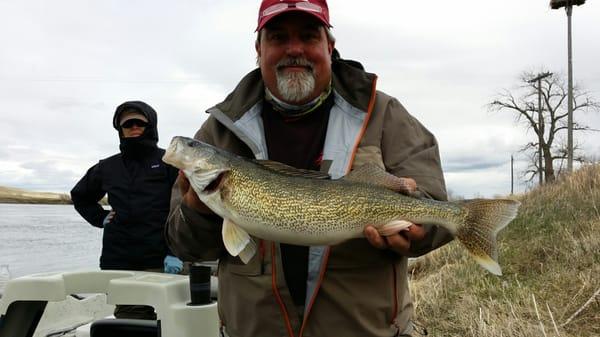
(151, 131)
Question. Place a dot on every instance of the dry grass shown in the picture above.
(18, 196)
(550, 255)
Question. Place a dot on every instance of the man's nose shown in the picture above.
(295, 47)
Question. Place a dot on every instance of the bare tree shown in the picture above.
(524, 104)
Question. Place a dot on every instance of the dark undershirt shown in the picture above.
(298, 143)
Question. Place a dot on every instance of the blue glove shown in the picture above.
(109, 218)
(173, 265)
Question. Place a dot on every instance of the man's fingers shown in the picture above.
(398, 243)
(409, 185)
(415, 232)
(374, 238)
(183, 182)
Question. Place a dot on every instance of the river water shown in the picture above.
(46, 238)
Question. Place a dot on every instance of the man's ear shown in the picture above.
(257, 45)
(330, 46)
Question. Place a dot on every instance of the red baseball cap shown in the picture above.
(271, 8)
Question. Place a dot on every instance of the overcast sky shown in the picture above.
(66, 64)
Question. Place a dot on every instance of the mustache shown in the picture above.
(295, 61)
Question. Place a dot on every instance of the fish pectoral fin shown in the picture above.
(393, 227)
(375, 175)
(248, 252)
(237, 241)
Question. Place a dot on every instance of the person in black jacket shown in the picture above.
(138, 184)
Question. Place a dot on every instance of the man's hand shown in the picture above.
(407, 186)
(399, 242)
(189, 196)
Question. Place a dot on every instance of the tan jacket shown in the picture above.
(353, 289)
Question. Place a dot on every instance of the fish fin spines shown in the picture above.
(290, 170)
(485, 218)
(372, 174)
(237, 241)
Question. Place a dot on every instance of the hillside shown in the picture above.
(19, 196)
(550, 257)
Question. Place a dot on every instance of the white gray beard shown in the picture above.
(295, 87)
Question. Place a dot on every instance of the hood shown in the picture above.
(151, 131)
(137, 147)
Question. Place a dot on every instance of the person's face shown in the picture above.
(133, 128)
(295, 57)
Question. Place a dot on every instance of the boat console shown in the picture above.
(179, 312)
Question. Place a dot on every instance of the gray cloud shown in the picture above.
(41, 176)
(470, 163)
(68, 64)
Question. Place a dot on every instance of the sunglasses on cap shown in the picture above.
(280, 7)
(131, 122)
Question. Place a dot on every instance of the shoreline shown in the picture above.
(9, 195)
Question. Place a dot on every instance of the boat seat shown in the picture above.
(120, 327)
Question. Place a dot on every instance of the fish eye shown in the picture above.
(191, 143)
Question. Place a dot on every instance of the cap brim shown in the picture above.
(133, 116)
(266, 19)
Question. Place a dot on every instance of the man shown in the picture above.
(310, 109)
(138, 184)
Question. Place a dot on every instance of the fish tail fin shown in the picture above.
(485, 218)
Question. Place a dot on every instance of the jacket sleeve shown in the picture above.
(172, 173)
(193, 236)
(410, 150)
(86, 194)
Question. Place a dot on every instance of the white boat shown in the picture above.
(75, 303)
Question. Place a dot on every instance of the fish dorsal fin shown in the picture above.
(237, 241)
(375, 175)
(291, 171)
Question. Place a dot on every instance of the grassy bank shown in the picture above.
(19, 196)
(550, 256)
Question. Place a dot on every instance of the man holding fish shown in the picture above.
(311, 110)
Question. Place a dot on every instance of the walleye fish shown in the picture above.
(276, 202)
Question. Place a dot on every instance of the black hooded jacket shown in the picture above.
(138, 184)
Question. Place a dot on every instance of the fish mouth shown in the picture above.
(215, 185)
